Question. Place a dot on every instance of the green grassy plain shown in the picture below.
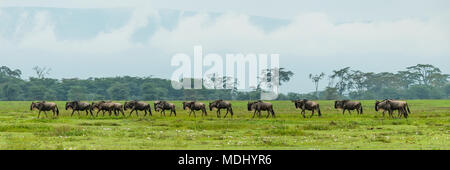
(428, 127)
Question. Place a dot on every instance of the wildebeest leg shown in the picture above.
(137, 113)
(226, 113)
(131, 112)
(145, 114)
(343, 112)
(268, 113)
(350, 113)
(72, 113)
(123, 113)
(45, 112)
(78, 111)
(39, 114)
(254, 113)
(303, 113)
(259, 113)
(312, 113)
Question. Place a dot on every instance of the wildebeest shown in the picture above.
(163, 106)
(305, 104)
(138, 105)
(118, 108)
(103, 106)
(45, 106)
(221, 104)
(392, 105)
(259, 106)
(348, 105)
(79, 106)
(193, 106)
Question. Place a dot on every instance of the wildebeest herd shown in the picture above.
(389, 105)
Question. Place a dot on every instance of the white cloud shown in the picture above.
(309, 35)
(43, 37)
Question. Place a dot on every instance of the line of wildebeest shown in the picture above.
(256, 106)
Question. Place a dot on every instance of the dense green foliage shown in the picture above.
(417, 82)
(422, 81)
(428, 127)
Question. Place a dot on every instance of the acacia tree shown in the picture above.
(315, 79)
(8, 72)
(425, 74)
(343, 77)
(42, 72)
(269, 76)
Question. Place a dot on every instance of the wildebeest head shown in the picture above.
(36, 105)
(300, 103)
(338, 104)
(382, 105)
(129, 105)
(155, 104)
(214, 104)
(250, 105)
(95, 105)
(185, 105)
(69, 105)
(33, 105)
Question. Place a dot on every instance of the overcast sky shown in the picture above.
(97, 38)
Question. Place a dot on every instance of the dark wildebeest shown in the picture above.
(193, 106)
(348, 105)
(45, 106)
(163, 106)
(138, 105)
(392, 105)
(307, 105)
(220, 104)
(103, 106)
(259, 106)
(79, 106)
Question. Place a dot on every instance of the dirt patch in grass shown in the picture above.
(99, 124)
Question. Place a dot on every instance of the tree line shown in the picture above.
(416, 82)
(422, 81)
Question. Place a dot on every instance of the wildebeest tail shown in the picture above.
(407, 107)
(318, 110)
(150, 110)
(361, 108)
(57, 110)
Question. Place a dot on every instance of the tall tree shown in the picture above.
(424, 73)
(42, 72)
(315, 79)
(343, 77)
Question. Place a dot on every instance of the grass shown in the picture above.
(428, 127)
